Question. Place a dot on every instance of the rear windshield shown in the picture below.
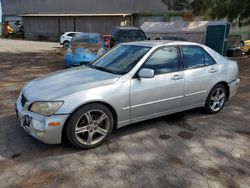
(130, 35)
(89, 39)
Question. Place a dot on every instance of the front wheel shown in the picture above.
(216, 99)
(90, 126)
(66, 44)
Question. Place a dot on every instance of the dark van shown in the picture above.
(126, 34)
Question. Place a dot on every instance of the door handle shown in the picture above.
(212, 70)
(176, 77)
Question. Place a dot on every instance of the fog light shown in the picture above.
(54, 124)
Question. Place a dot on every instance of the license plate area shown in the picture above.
(26, 120)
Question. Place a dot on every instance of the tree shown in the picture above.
(176, 5)
(215, 9)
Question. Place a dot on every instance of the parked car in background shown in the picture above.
(132, 82)
(106, 39)
(126, 34)
(84, 48)
(170, 38)
(245, 46)
(233, 46)
(66, 38)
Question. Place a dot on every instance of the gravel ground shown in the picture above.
(189, 149)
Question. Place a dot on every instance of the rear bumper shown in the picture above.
(233, 87)
(38, 124)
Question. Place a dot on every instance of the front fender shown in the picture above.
(115, 95)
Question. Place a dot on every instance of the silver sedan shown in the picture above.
(131, 83)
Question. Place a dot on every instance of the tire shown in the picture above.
(66, 44)
(216, 99)
(89, 126)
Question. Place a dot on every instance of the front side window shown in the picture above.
(121, 59)
(192, 57)
(164, 60)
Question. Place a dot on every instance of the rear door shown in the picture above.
(200, 72)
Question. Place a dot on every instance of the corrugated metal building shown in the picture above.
(47, 19)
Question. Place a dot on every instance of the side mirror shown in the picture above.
(146, 73)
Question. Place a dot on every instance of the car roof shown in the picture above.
(71, 32)
(128, 27)
(88, 34)
(154, 43)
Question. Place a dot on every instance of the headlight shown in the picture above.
(101, 51)
(45, 108)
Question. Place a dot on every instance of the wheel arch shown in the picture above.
(110, 107)
(66, 41)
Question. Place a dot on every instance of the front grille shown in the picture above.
(23, 100)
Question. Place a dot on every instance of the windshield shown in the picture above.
(86, 38)
(121, 59)
(130, 35)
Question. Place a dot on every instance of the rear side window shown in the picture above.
(71, 34)
(193, 57)
(208, 59)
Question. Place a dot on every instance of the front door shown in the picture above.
(164, 92)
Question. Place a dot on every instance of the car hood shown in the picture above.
(62, 83)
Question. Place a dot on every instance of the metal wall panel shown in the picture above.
(15, 7)
(66, 24)
(102, 25)
(50, 28)
(41, 24)
(41, 28)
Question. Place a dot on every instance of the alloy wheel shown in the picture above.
(92, 127)
(217, 99)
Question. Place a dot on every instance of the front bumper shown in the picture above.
(38, 126)
(71, 61)
(233, 87)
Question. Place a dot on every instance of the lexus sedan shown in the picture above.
(132, 82)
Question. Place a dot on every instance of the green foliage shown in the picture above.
(215, 9)
(176, 5)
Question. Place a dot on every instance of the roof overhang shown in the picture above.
(75, 15)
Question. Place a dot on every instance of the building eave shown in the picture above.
(75, 15)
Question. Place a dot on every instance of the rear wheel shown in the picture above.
(216, 99)
(90, 126)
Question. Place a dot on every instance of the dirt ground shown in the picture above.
(189, 149)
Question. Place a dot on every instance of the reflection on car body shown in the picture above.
(84, 48)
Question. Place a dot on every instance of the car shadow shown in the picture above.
(20, 146)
